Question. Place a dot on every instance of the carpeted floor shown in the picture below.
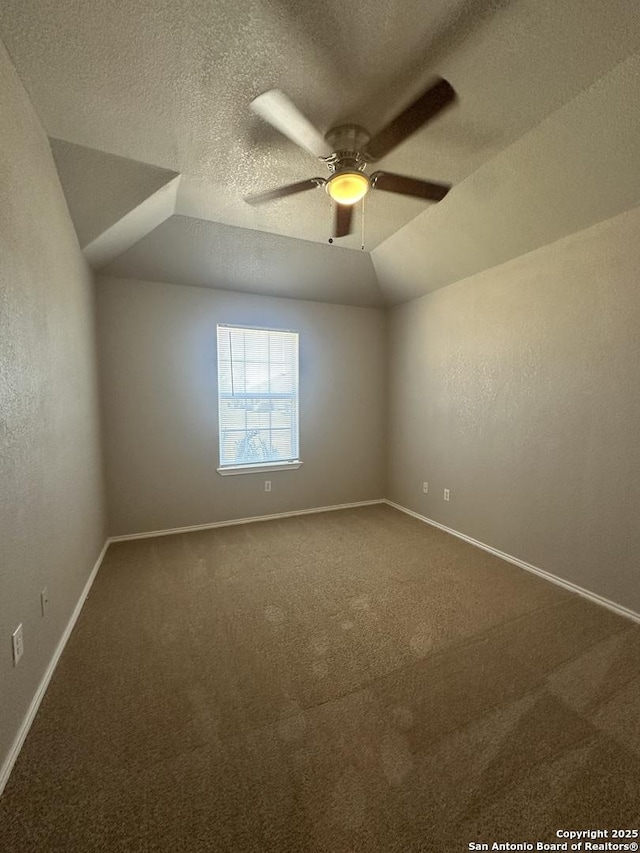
(341, 682)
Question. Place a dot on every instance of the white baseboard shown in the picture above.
(572, 587)
(170, 531)
(10, 760)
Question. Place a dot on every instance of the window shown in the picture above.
(257, 399)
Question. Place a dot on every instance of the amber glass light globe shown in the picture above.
(348, 187)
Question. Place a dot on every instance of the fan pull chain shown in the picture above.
(362, 224)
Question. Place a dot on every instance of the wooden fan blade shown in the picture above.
(281, 192)
(427, 106)
(392, 183)
(344, 215)
(274, 106)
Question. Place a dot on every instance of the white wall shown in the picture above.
(52, 524)
(159, 384)
(518, 389)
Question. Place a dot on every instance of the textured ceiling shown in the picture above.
(168, 83)
(578, 167)
(208, 254)
(101, 188)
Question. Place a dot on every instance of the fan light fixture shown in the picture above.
(348, 187)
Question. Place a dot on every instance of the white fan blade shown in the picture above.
(274, 106)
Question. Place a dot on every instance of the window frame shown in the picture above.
(256, 467)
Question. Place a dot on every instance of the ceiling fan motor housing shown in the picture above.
(348, 142)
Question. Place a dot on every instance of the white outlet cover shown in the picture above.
(44, 601)
(267, 485)
(17, 641)
(447, 494)
(425, 488)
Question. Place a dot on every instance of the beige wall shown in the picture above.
(519, 389)
(51, 514)
(158, 363)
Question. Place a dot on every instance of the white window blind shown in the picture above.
(257, 396)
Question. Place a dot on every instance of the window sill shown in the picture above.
(256, 469)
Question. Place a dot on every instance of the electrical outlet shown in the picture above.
(17, 641)
(44, 601)
(267, 485)
(425, 488)
(447, 495)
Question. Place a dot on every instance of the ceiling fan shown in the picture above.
(347, 149)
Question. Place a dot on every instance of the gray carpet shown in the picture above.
(341, 682)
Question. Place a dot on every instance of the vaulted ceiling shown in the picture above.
(147, 107)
